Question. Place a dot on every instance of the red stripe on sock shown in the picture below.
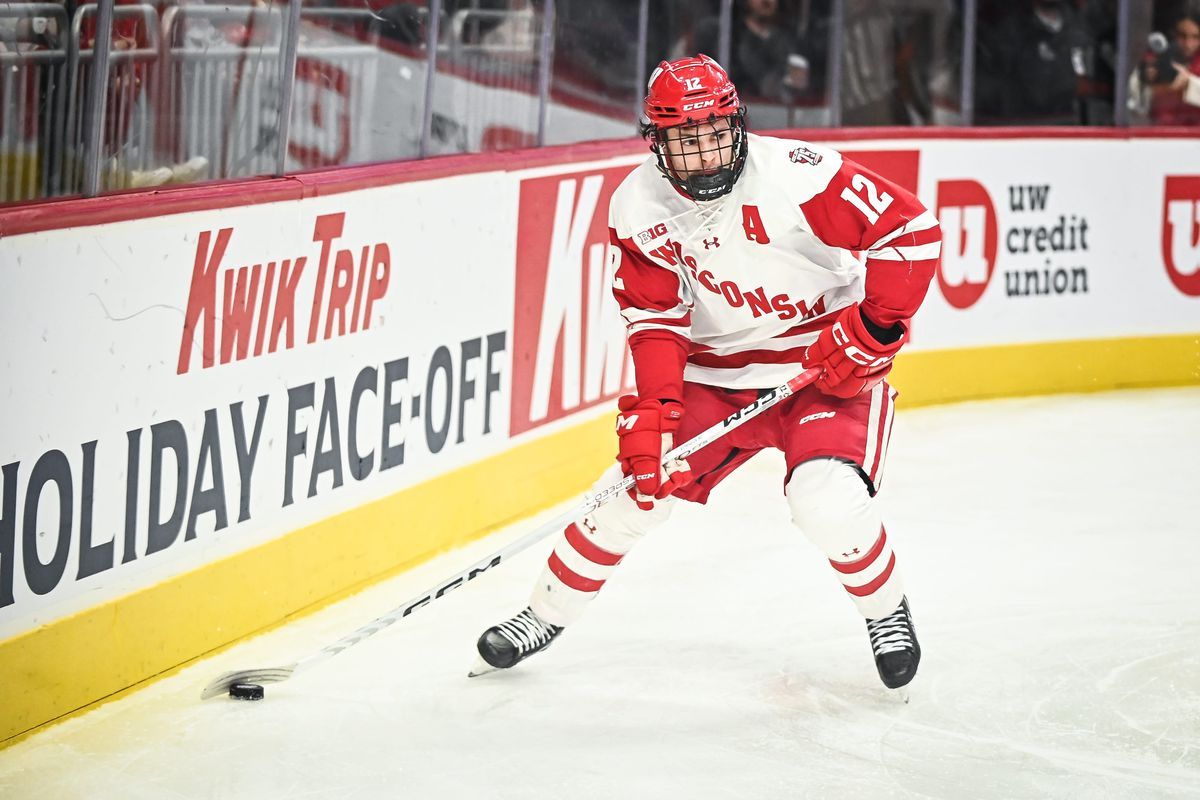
(873, 586)
(570, 577)
(588, 550)
(851, 567)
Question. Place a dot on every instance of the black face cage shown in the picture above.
(697, 185)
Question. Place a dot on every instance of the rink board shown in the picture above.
(230, 405)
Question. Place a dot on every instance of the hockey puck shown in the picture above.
(246, 691)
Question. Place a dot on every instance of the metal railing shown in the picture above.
(124, 141)
(220, 97)
(234, 91)
(33, 94)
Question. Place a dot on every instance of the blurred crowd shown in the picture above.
(1055, 62)
(797, 63)
(1164, 89)
(1037, 62)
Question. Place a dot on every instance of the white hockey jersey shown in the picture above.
(744, 283)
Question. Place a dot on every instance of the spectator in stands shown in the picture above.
(26, 34)
(517, 31)
(876, 59)
(765, 59)
(1098, 90)
(1171, 98)
(403, 22)
(1031, 65)
(27, 143)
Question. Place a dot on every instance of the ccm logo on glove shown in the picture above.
(851, 353)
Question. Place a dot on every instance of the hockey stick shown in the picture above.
(590, 503)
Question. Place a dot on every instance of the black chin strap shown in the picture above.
(703, 187)
(709, 187)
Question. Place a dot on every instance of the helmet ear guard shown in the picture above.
(677, 96)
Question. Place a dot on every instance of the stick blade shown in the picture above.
(225, 680)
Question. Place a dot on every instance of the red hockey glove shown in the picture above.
(645, 433)
(851, 353)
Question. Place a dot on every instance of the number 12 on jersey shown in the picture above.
(878, 202)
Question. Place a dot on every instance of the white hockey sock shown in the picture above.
(871, 578)
(589, 551)
(574, 573)
(831, 504)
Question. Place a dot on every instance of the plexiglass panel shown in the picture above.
(198, 90)
(1164, 64)
(900, 62)
(1045, 62)
(220, 83)
(35, 66)
(778, 58)
(485, 91)
(597, 80)
(361, 69)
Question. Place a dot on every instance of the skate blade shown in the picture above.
(481, 667)
(901, 693)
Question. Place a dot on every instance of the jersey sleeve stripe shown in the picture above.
(921, 252)
(679, 315)
(922, 222)
(640, 327)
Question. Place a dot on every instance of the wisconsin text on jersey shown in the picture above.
(750, 279)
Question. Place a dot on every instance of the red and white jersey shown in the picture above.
(744, 283)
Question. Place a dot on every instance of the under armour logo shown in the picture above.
(714, 243)
(853, 552)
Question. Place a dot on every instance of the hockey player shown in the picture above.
(743, 260)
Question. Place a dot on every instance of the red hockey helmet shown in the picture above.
(688, 92)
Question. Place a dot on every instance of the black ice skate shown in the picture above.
(507, 644)
(897, 652)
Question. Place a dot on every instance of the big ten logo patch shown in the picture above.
(1181, 232)
(969, 240)
(320, 132)
(568, 337)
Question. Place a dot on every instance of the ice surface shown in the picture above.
(1052, 553)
